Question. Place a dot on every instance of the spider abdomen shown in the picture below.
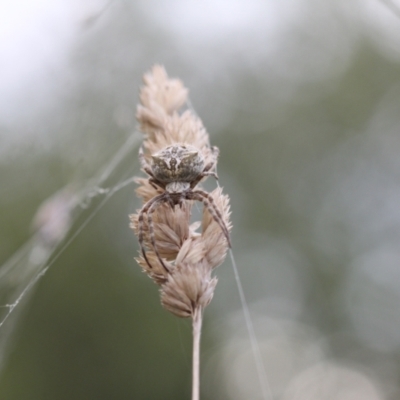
(177, 163)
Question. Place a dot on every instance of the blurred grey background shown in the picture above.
(303, 99)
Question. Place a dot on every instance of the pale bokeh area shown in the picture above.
(302, 97)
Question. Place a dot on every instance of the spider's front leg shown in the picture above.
(148, 209)
(209, 203)
(151, 228)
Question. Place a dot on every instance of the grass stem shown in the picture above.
(197, 322)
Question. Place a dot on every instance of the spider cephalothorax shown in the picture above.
(177, 169)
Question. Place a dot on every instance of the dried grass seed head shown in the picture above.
(159, 97)
(186, 282)
(188, 289)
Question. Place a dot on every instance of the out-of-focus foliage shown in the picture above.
(303, 100)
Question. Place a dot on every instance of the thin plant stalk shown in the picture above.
(197, 322)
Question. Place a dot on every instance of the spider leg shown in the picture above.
(206, 172)
(215, 152)
(212, 173)
(142, 158)
(144, 211)
(207, 169)
(213, 163)
(147, 168)
(155, 184)
(151, 228)
(144, 164)
(209, 203)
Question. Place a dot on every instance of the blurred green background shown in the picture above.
(303, 99)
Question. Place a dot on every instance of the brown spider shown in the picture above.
(177, 169)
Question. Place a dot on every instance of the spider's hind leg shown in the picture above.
(144, 164)
(211, 173)
(206, 172)
(208, 169)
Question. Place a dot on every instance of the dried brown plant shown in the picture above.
(179, 258)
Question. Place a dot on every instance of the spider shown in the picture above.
(177, 169)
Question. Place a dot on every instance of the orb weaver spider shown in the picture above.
(177, 170)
